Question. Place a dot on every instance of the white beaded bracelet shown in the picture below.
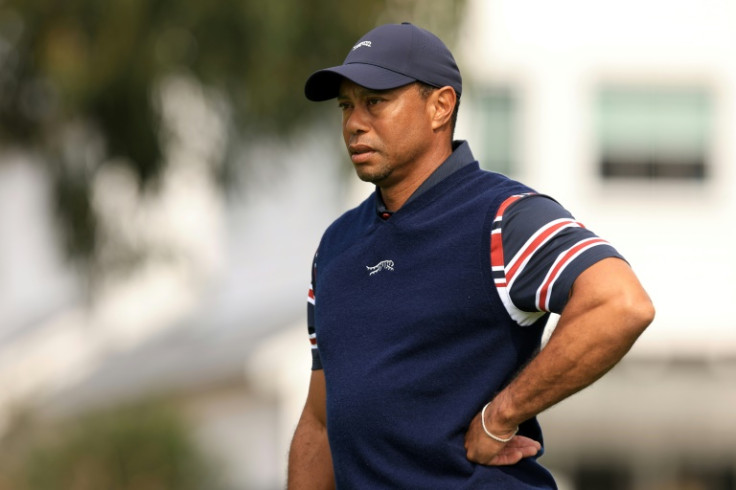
(495, 438)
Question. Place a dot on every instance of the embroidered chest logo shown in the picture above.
(382, 265)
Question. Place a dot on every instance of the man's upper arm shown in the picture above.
(544, 249)
(316, 405)
(612, 284)
(310, 460)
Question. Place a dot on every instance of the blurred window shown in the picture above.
(650, 133)
(498, 108)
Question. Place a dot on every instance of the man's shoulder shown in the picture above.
(493, 187)
(352, 221)
(360, 212)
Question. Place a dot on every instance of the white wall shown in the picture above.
(556, 54)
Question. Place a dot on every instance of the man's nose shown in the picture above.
(356, 121)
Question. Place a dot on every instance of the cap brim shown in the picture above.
(325, 84)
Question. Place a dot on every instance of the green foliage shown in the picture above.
(96, 64)
(146, 447)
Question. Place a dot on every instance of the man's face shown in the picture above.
(384, 131)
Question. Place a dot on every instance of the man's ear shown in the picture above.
(443, 100)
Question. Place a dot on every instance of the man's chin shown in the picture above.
(372, 177)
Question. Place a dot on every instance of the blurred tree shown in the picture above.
(78, 78)
(144, 446)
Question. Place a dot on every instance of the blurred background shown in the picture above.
(164, 185)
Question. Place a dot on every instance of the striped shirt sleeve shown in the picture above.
(538, 249)
(316, 361)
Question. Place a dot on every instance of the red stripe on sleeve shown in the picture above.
(535, 245)
(543, 303)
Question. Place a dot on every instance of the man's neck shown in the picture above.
(395, 195)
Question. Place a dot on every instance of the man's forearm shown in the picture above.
(556, 373)
(591, 337)
(310, 460)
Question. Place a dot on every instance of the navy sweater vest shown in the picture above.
(414, 339)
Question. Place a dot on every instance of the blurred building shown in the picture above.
(625, 112)
(208, 324)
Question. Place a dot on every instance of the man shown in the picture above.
(429, 299)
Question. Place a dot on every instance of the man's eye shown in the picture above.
(373, 101)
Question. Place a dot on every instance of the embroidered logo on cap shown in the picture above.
(367, 44)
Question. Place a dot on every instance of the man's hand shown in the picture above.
(483, 450)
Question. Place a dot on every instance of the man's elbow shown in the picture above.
(638, 311)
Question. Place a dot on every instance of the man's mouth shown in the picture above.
(360, 153)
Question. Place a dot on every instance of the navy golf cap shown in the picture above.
(390, 56)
